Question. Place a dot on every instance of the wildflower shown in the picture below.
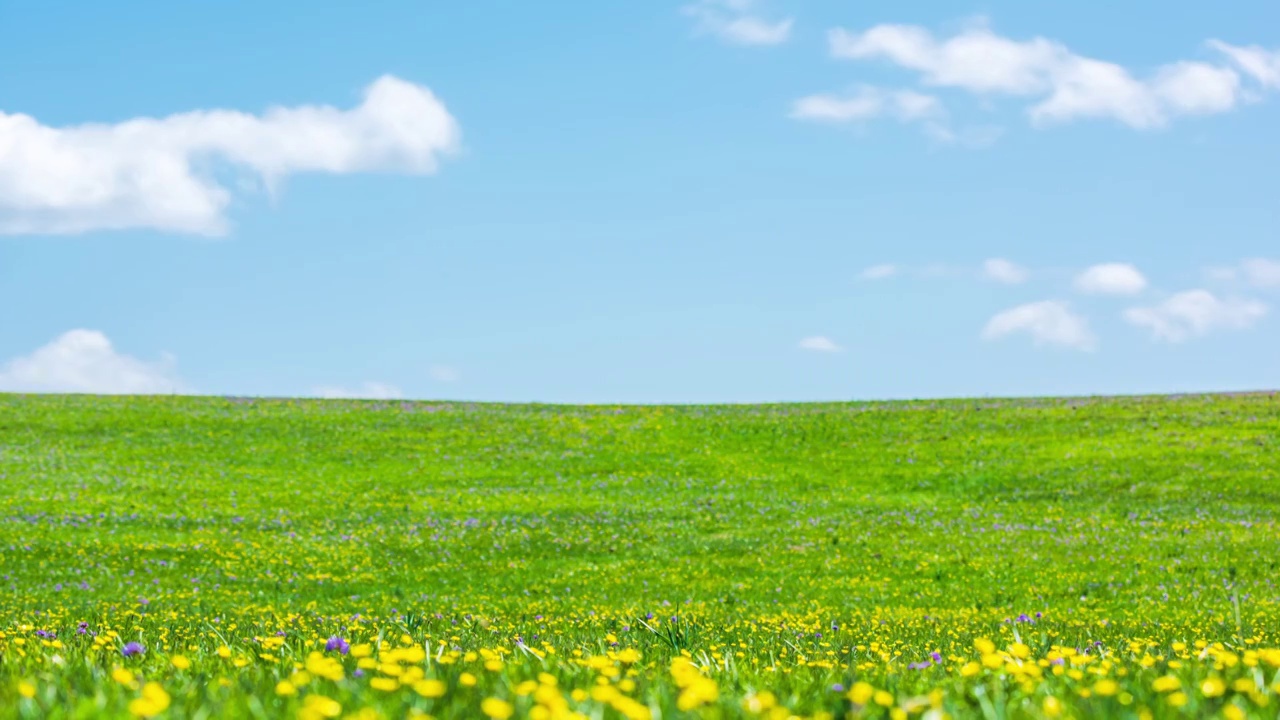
(861, 692)
(154, 701)
(1106, 687)
(429, 688)
(338, 644)
(180, 662)
(496, 709)
(1166, 683)
(1213, 687)
(284, 688)
(26, 689)
(132, 649)
(319, 706)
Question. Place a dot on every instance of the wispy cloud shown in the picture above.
(444, 373)
(155, 173)
(1258, 272)
(367, 390)
(85, 361)
(738, 22)
(1195, 313)
(820, 343)
(1048, 322)
(879, 272)
(1004, 271)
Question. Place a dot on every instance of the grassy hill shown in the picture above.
(981, 558)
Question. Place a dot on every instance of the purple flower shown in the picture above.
(337, 643)
(937, 657)
(1024, 618)
(132, 649)
(45, 634)
(357, 673)
(920, 665)
(837, 688)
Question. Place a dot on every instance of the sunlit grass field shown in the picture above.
(222, 557)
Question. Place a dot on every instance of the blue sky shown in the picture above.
(716, 201)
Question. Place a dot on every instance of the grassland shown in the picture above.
(216, 557)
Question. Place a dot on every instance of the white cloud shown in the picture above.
(444, 373)
(1004, 271)
(84, 361)
(1261, 272)
(866, 103)
(1069, 86)
(156, 173)
(1259, 63)
(1195, 313)
(1111, 279)
(365, 390)
(736, 22)
(879, 272)
(1258, 272)
(819, 343)
(1048, 322)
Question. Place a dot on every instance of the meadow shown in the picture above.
(183, 557)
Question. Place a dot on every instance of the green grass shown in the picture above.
(797, 547)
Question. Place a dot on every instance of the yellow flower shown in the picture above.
(429, 688)
(180, 662)
(1212, 687)
(124, 677)
(1052, 707)
(759, 702)
(496, 709)
(285, 688)
(1232, 712)
(361, 650)
(224, 652)
(984, 646)
(526, 688)
(970, 669)
(154, 701)
(26, 689)
(1019, 651)
(383, 684)
(883, 698)
(629, 656)
(861, 692)
(1166, 683)
(319, 706)
(1106, 687)
(466, 679)
(1177, 699)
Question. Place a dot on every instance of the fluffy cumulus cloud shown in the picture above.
(365, 390)
(1111, 279)
(738, 22)
(159, 172)
(84, 361)
(820, 343)
(1004, 271)
(1195, 313)
(1049, 322)
(1061, 84)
